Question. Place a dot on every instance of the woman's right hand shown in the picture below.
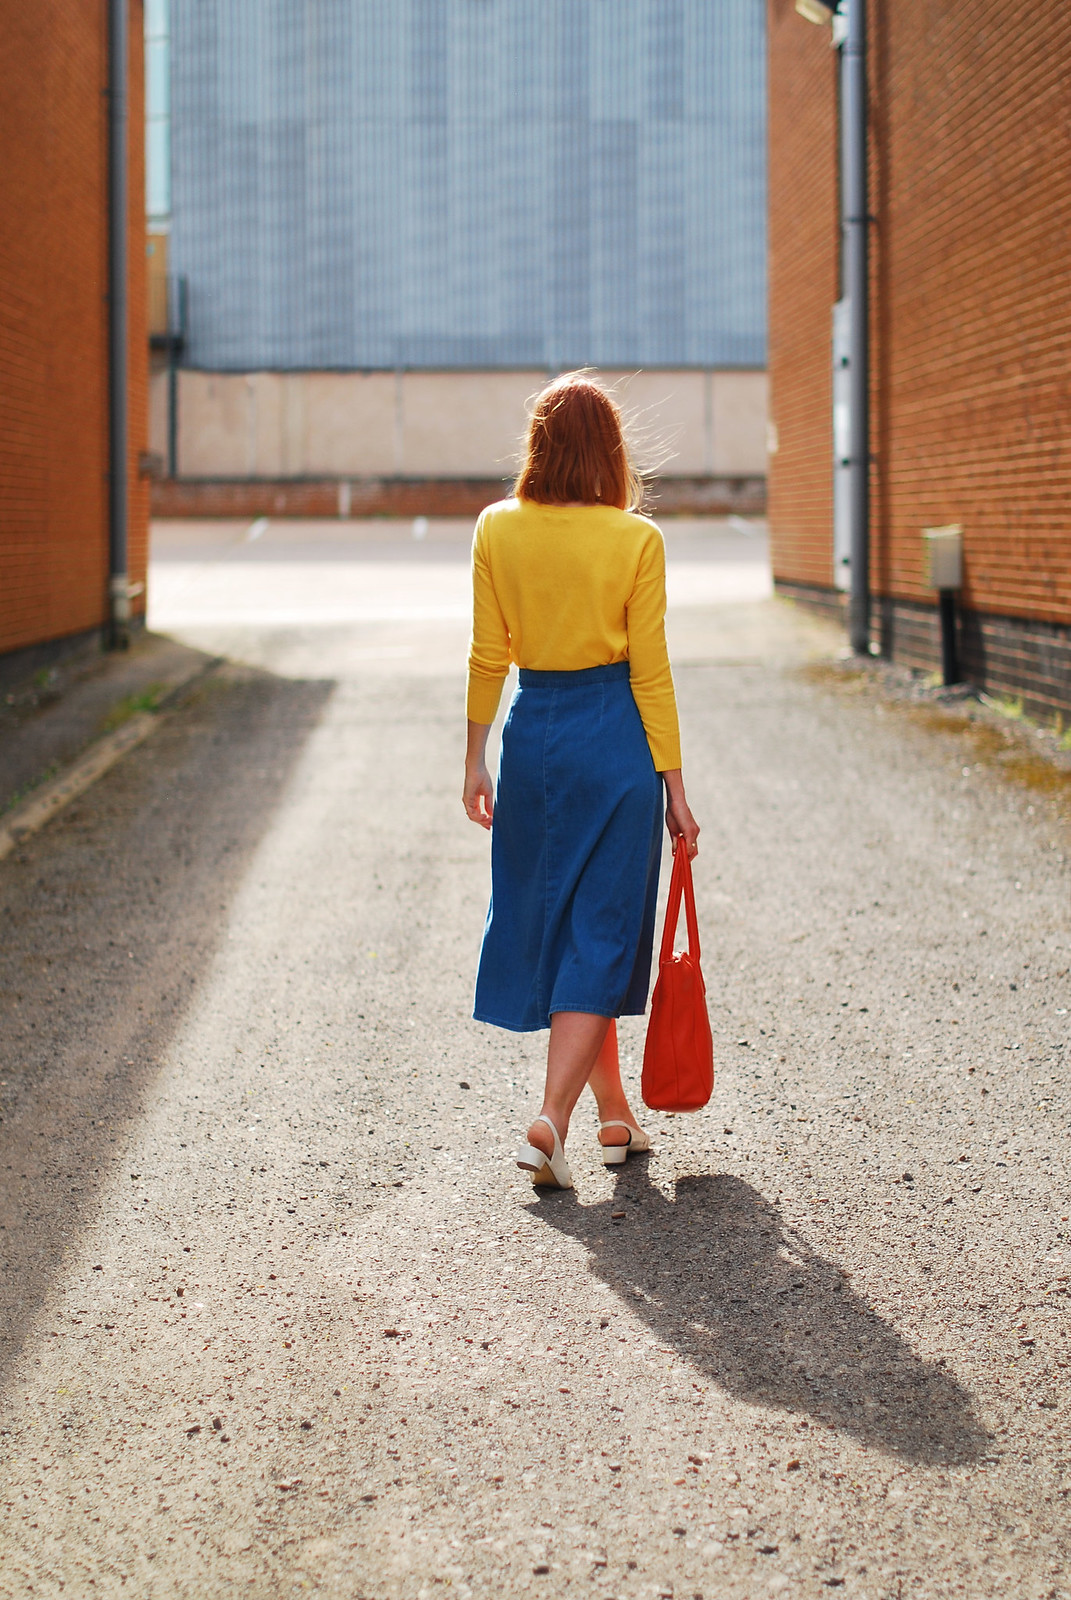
(679, 819)
(479, 795)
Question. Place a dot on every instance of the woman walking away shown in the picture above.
(569, 583)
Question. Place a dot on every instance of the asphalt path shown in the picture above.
(826, 1345)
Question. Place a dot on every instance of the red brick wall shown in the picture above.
(53, 320)
(971, 194)
(803, 287)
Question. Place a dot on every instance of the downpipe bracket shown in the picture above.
(120, 593)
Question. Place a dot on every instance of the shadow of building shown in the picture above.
(111, 920)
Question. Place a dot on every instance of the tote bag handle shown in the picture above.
(680, 884)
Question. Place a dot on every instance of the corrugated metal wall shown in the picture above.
(470, 183)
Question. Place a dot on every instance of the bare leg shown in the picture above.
(576, 1037)
(605, 1085)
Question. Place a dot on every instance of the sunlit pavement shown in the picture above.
(279, 1314)
(395, 595)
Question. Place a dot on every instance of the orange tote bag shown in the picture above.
(678, 1058)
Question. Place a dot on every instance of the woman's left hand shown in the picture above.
(679, 819)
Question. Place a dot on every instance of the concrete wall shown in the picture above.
(443, 424)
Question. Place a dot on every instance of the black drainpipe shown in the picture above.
(856, 285)
(118, 243)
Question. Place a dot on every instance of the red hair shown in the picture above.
(576, 450)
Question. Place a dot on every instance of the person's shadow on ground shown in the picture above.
(718, 1274)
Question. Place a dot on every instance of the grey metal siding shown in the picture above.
(470, 183)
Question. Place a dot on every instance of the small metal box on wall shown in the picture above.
(943, 549)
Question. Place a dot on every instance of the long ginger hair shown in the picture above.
(575, 449)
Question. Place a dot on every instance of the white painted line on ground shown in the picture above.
(256, 529)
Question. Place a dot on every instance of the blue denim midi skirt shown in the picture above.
(575, 852)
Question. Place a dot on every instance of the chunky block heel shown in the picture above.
(548, 1172)
(615, 1155)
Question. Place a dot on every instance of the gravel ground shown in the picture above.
(47, 723)
(825, 1347)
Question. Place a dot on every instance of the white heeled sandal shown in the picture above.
(550, 1172)
(637, 1144)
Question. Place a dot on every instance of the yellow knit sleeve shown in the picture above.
(489, 649)
(649, 670)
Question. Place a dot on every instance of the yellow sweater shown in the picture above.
(560, 588)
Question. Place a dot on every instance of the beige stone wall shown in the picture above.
(445, 424)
